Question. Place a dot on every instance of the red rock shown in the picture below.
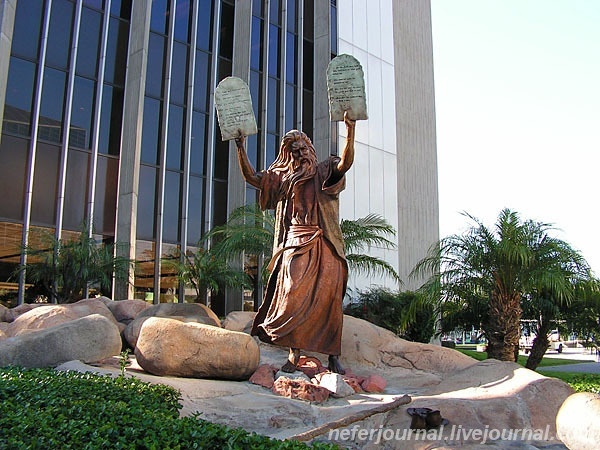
(264, 376)
(374, 383)
(300, 390)
(354, 381)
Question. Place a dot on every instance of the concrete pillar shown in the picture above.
(418, 209)
(131, 137)
(322, 56)
(7, 22)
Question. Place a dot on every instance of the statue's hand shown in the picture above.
(350, 123)
(240, 142)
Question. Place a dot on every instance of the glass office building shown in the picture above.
(107, 117)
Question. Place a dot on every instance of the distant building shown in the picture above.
(107, 115)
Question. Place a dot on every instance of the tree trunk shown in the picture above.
(504, 327)
(539, 347)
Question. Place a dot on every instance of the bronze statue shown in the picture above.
(302, 306)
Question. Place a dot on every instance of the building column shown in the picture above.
(322, 56)
(418, 208)
(131, 139)
(7, 23)
(236, 185)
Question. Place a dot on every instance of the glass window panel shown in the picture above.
(27, 30)
(98, 4)
(251, 195)
(151, 130)
(198, 143)
(273, 51)
(257, 8)
(116, 52)
(168, 273)
(290, 107)
(52, 104)
(219, 202)
(121, 8)
(272, 105)
(182, 20)
(255, 94)
(45, 182)
(291, 15)
(334, 33)
(195, 210)
(307, 114)
(110, 120)
(76, 189)
(82, 113)
(175, 137)
(271, 150)
(201, 81)
(59, 34)
(19, 97)
(256, 46)
(179, 73)
(309, 21)
(221, 158)
(224, 68)
(146, 203)
(227, 31)
(145, 257)
(204, 34)
(89, 43)
(252, 149)
(156, 61)
(171, 208)
(291, 59)
(13, 166)
(275, 12)
(159, 16)
(308, 66)
(105, 198)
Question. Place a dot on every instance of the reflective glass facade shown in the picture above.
(65, 144)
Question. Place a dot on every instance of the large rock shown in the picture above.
(126, 310)
(19, 310)
(239, 321)
(88, 339)
(171, 347)
(578, 421)
(47, 316)
(5, 314)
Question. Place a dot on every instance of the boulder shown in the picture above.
(373, 383)
(88, 339)
(190, 311)
(239, 321)
(4, 314)
(300, 389)
(171, 347)
(18, 310)
(335, 384)
(264, 376)
(48, 316)
(577, 421)
(126, 310)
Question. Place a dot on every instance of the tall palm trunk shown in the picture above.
(504, 328)
(539, 347)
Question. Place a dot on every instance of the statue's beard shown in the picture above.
(303, 169)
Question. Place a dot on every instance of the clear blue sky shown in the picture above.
(517, 85)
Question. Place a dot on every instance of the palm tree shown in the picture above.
(207, 271)
(250, 230)
(499, 267)
(63, 269)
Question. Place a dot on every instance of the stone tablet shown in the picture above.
(346, 88)
(234, 109)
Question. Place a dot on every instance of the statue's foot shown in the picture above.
(292, 363)
(335, 366)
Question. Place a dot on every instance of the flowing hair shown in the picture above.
(293, 171)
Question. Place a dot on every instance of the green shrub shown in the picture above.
(43, 408)
(581, 382)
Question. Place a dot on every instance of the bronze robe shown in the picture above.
(302, 307)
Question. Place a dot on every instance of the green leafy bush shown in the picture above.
(43, 408)
(581, 382)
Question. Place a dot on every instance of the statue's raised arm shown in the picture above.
(250, 175)
(347, 155)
